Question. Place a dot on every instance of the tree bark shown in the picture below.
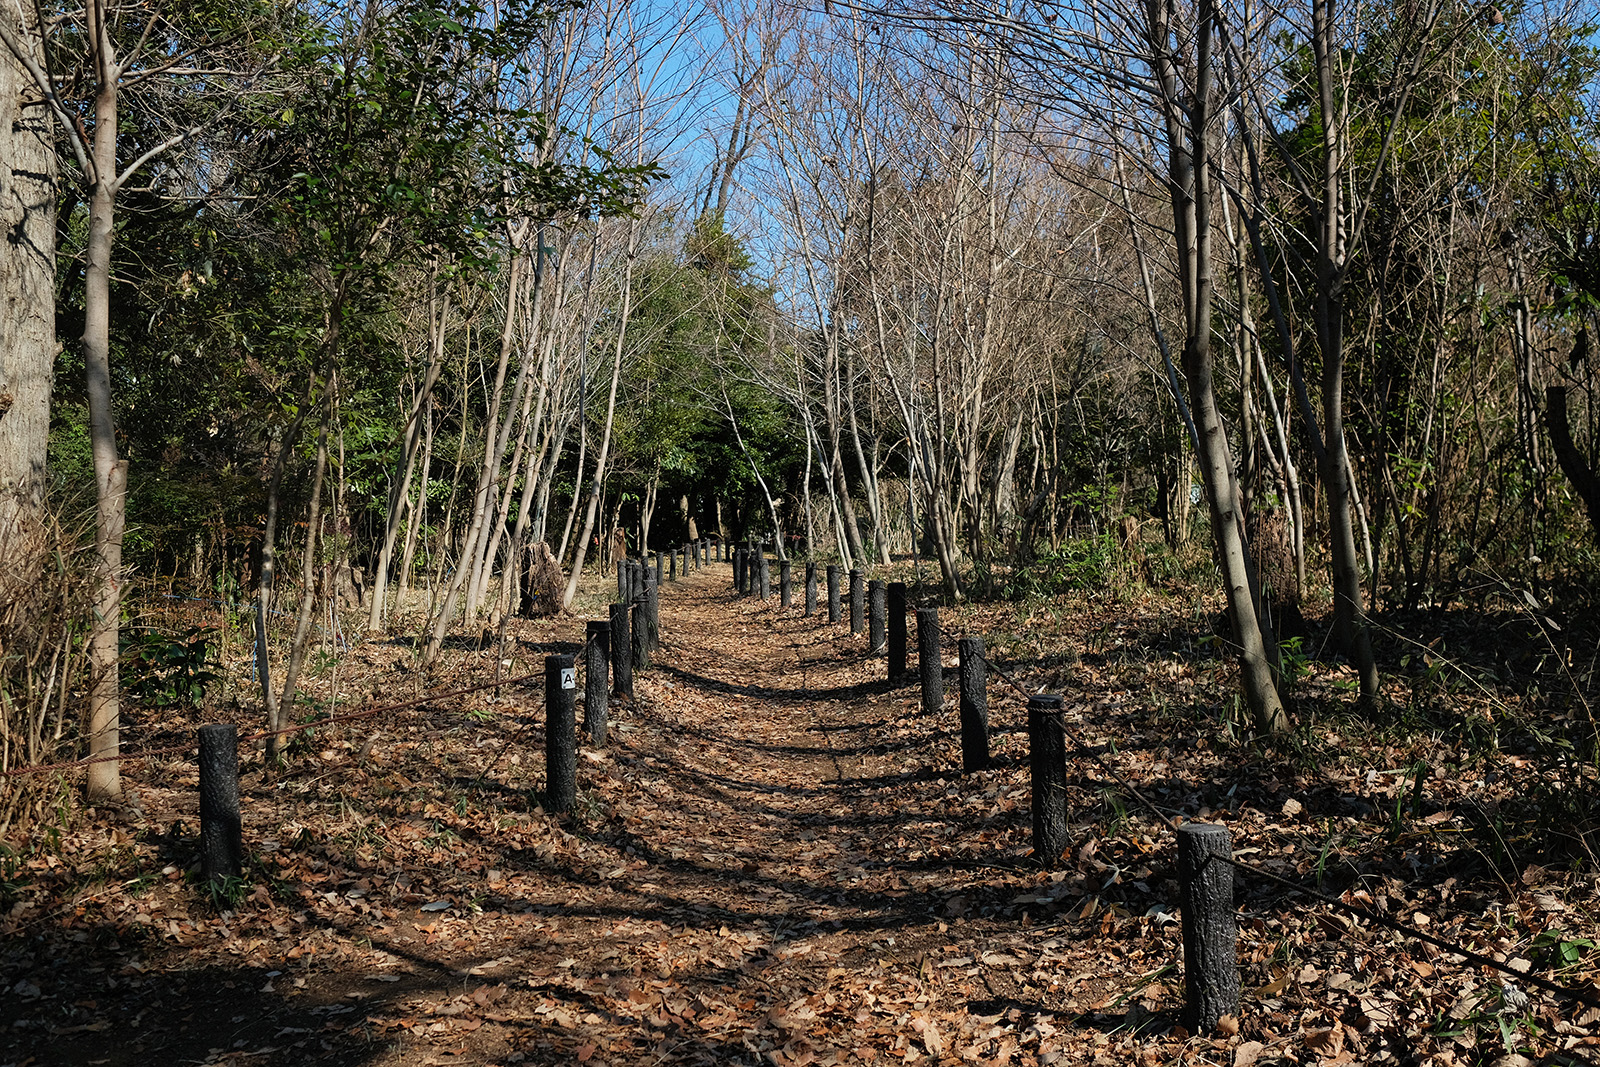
(592, 511)
(27, 305)
(1572, 461)
(1188, 129)
(110, 473)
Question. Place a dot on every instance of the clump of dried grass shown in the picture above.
(46, 573)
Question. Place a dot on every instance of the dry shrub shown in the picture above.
(46, 589)
(542, 582)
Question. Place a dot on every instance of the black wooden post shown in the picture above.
(930, 661)
(877, 612)
(811, 591)
(973, 673)
(738, 570)
(641, 633)
(785, 572)
(221, 830)
(560, 732)
(833, 592)
(1047, 759)
(652, 603)
(596, 695)
(672, 564)
(897, 631)
(858, 600)
(1210, 935)
(658, 567)
(764, 573)
(622, 579)
(622, 650)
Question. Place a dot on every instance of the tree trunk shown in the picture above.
(419, 511)
(400, 488)
(110, 473)
(1189, 183)
(308, 562)
(1572, 461)
(1349, 607)
(27, 306)
(269, 695)
(592, 511)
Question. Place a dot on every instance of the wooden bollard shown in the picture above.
(560, 732)
(738, 570)
(858, 601)
(833, 592)
(897, 631)
(930, 661)
(596, 692)
(1047, 759)
(641, 634)
(221, 830)
(763, 574)
(785, 572)
(877, 617)
(652, 604)
(810, 608)
(1210, 932)
(622, 579)
(659, 571)
(672, 564)
(622, 650)
(973, 672)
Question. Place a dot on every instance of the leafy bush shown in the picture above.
(162, 671)
(1084, 563)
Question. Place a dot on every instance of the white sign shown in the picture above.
(569, 677)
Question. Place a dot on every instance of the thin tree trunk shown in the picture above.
(269, 695)
(1350, 618)
(400, 487)
(308, 567)
(581, 549)
(1188, 130)
(418, 512)
(110, 473)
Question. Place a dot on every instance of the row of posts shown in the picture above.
(881, 609)
(625, 642)
(1204, 849)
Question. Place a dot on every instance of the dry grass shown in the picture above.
(45, 590)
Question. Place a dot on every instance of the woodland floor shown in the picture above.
(776, 861)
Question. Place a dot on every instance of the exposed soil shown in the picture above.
(775, 860)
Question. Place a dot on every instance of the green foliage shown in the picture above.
(167, 671)
(1080, 563)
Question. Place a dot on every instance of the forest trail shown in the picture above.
(773, 861)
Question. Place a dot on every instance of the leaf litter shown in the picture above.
(777, 861)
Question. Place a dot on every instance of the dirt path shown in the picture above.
(772, 862)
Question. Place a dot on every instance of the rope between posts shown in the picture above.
(1588, 999)
(1079, 745)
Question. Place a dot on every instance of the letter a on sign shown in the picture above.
(569, 677)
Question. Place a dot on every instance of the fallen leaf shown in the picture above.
(1248, 1053)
